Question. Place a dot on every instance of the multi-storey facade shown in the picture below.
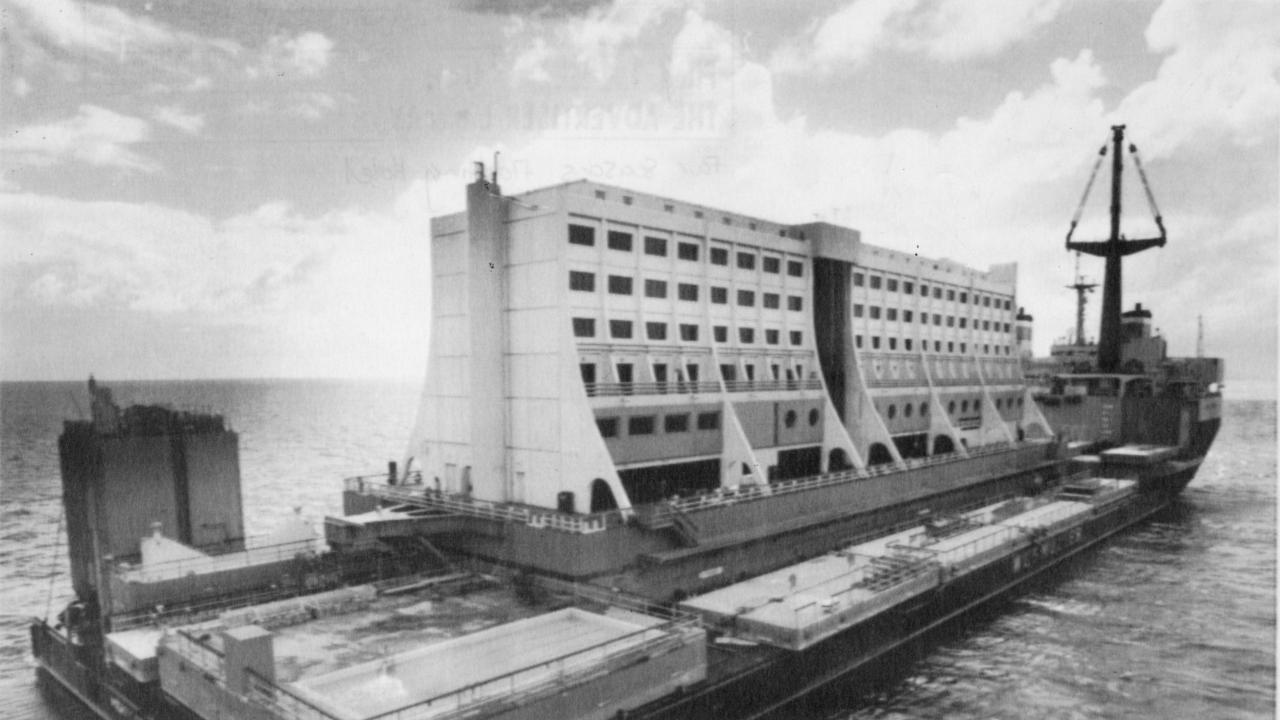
(594, 348)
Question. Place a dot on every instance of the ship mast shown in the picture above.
(1113, 250)
(1082, 298)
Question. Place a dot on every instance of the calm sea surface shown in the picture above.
(1175, 618)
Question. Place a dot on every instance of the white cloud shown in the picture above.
(178, 118)
(90, 26)
(947, 30)
(530, 64)
(306, 56)
(311, 105)
(96, 136)
(20, 87)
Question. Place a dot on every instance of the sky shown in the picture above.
(215, 190)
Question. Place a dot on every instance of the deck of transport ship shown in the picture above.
(802, 604)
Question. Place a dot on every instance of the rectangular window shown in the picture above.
(951, 347)
(656, 330)
(891, 314)
(584, 327)
(795, 268)
(721, 333)
(655, 288)
(582, 235)
(1006, 327)
(746, 335)
(986, 324)
(924, 290)
(719, 256)
(728, 372)
(1008, 305)
(709, 421)
(907, 343)
(719, 295)
(875, 342)
(937, 293)
(908, 287)
(875, 312)
(688, 332)
(619, 240)
(937, 320)
(687, 251)
(951, 321)
(859, 279)
(795, 303)
(937, 346)
(986, 301)
(687, 291)
(964, 297)
(608, 426)
(583, 281)
(746, 298)
(655, 246)
(964, 347)
(746, 261)
(907, 316)
(620, 329)
(675, 423)
(797, 337)
(892, 285)
(857, 341)
(772, 301)
(772, 264)
(951, 294)
(893, 343)
(588, 372)
(963, 322)
(619, 285)
(875, 282)
(641, 424)
(771, 337)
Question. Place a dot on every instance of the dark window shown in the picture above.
(697, 214)
(669, 207)
(719, 256)
(687, 291)
(619, 285)
(857, 341)
(687, 251)
(584, 327)
(728, 372)
(875, 282)
(627, 199)
(891, 314)
(746, 298)
(951, 346)
(771, 337)
(964, 347)
(721, 333)
(907, 316)
(656, 330)
(859, 279)
(675, 423)
(986, 301)
(608, 426)
(620, 329)
(708, 421)
(907, 344)
(746, 335)
(893, 343)
(795, 303)
(892, 285)
(857, 310)
(583, 281)
(641, 424)
(937, 320)
(619, 240)
(963, 322)
(964, 297)
(655, 246)
(588, 372)
(951, 321)
(796, 337)
(875, 342)
(655, 288)
(688, 333)
(951, 294)
(625, 373)
(772, 265)
(937, 293)
(795, 268)
(599, 194)
(746, 261)
(875, 312)
(908, 287)
(924, 290)
(582, 235)
(772, 301)
(719, 295)
(1008, 304)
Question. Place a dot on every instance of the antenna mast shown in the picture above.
(1082, 298)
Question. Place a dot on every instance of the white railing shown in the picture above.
(181, 567)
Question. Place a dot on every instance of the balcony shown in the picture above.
(617, 389)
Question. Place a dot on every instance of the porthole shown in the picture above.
(790, 418)
(964, 406)
(924, 409)
(951, 407)
(893, 410)
(907, 409)
(813, 417)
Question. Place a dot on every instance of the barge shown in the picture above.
(670, 462)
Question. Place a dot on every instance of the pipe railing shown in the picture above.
(181, 567)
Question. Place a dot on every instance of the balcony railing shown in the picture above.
(616, 389)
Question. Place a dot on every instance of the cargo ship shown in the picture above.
(670, 461)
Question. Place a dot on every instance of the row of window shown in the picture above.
(647, 424)
(688, 332)
(909, 346)
(892, 314)
(583, 281)
(909, 288)
(659, 247)
(908, 409)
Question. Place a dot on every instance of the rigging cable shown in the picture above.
(1087, 187)
(1146, 187)
(53, 564)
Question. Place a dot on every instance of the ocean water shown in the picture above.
(1172, 619)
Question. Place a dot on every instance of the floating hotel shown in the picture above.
(670, 461)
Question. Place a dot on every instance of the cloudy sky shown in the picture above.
(197, 189)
